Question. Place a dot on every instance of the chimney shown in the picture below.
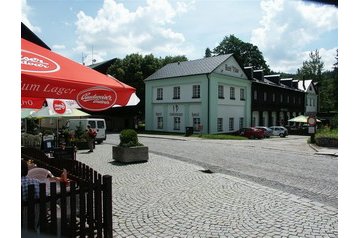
(249, 72)
(275, 78)
(295, 83)
(287, 82)
(259, 74)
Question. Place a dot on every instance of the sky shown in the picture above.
(285, 31)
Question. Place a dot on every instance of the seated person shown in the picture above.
(25, 181)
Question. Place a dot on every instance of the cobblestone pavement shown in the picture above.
(169, 198)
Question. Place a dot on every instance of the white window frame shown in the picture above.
(231, 124)
(219, 124)
(242, 94)
(232, 93)
(196, 91)
(176, 123)
(196, 123)
(221, 92)
(159, 122)
(159, 93)
(176, 92)
(241, 122)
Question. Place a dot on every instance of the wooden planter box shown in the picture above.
(130, 154)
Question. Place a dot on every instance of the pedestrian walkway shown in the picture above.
(169, 198)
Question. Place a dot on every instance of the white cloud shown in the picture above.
(288, 28)
(26, 10)
(118, 30)
(58, 47)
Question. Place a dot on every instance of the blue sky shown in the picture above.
(284, 30)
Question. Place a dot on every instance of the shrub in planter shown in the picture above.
(129, 149)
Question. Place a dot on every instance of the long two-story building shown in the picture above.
(274, 100)
(212, 95)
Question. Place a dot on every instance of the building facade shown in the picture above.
(274, 100)
(311, 97)
(212, 95)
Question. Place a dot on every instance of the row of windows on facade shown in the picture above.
(281, 98)
(197, 126)
(196, 92)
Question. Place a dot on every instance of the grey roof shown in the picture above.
(186, 68)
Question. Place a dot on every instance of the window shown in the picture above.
(231, 123)
(273, 97)
(294, 100)
(221, 92)
(176, 123)
(232, 93)
(265, 96)
(241, 122)
(100, 124)
(196, 91)
(299, 100)
(176, 93)
(255, 95)
(220, 124)
(159, 93)
(288, 98)
(159, 122)
(196, 123)
(314, 102)
(242, 94)
(281, 98)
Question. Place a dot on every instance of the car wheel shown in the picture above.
(282, 135)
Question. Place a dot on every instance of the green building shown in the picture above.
(212, 95)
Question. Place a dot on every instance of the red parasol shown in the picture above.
(47, 75)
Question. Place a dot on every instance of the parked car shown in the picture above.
(267, 131)
(251, 133)
(279, 131)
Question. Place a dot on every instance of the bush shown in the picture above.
(327, 137)
(129, 138)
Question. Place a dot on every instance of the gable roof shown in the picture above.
(305, 84)
(186, 68)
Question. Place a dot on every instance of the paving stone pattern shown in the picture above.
(169, 198)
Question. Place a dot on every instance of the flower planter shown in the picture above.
(130, 154)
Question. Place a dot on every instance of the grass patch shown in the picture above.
(327, 133)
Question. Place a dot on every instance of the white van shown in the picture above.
(98, 124)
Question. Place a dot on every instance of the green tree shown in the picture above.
(207, 53)
(134, 69)
(327, 81)
(312, 68)
(246, 53)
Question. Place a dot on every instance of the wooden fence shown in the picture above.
(81, 209)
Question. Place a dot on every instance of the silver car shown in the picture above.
(279, 131)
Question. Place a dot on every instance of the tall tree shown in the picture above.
(207, 53)
(246, 53)
(327, 81)
(312, 68)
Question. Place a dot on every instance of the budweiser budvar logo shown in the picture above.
(32, 62)
(97, 98)
(59, 106)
